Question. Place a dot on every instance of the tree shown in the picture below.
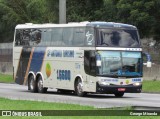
(145, 14)
(83, 10)
(138, 13)
(52, 10)
(13, 12)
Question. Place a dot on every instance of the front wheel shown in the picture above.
(40, 87)
(79, 88)
(119, 94)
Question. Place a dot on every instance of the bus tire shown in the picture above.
(40, 87)
(32, 84)
(79, 88)
(119, 94)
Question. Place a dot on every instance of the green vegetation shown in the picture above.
(86, 117)
(142, 13)
(151, 86)
(6, 78)
(7, 104)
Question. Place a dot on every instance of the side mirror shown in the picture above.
(98, 60)
(99, 63)
(149, 64)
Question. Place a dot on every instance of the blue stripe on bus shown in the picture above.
(37, 59)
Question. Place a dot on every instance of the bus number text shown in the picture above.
(63, 74)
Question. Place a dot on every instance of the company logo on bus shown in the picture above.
(136, 80)
(48, 70)
(127, 81)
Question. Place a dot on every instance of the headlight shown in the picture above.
(137, 84)
(103, 83)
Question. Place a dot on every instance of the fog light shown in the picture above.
(137, 84)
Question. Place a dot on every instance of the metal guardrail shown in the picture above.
(6, 52)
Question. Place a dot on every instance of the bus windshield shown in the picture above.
(117, 63)
(117, 38)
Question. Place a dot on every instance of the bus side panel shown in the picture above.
(31, 59)
(60, 72)
(57, 71)
(22, 66)
(37, 59)
(16, 59)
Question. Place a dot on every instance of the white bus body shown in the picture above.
(94, 57)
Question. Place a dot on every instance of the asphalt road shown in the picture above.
(14, 91)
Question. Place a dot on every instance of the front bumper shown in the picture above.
(111, 89)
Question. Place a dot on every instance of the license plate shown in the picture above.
(121, 89)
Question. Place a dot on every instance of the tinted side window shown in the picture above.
(18, 37)
(23, 37)
(46, 35)
(35, 37)
(51, 37)
(26, 37)
(87, 62)
(68, 36)
(57, 37)
(90, 63)
(79, 36)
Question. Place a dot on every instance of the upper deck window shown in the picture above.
(56, 37)
(117, 38)
(79, 36)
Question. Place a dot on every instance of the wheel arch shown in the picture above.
(31, 73)
(39, 74)
(76, 79)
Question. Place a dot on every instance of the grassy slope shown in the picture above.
(34, 105)
(6, 78)
(151, 86)
(7, 104)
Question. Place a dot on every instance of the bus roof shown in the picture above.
(97, 24)
(111, 25)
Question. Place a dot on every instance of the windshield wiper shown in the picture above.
(114, 74)
(105, 44)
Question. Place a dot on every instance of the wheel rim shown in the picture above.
(40, 84)
(31, 84)
(80, 87)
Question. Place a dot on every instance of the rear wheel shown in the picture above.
(119, 94)
(40, 87)
(32, 84)
(79, 88)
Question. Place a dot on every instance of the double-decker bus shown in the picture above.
(85, 57)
